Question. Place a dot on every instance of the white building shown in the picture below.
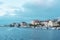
(35, 22)
(52, 23)
(44, 23)
(49, 23)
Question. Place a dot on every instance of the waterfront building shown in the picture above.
(44, 23)
(50, 23)
(23, 24)
(53, 23)
(11, 25)
(58, 22)
(14, 25)
(35, 22)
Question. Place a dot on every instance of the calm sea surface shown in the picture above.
(7, 33)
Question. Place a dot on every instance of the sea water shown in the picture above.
(13, 33)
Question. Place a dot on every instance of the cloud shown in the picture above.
(2, 13)
(12, 14)
(5, 11)
(10, 6)
(48, 3)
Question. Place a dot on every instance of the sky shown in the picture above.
(27, 10)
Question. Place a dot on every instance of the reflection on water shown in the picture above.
(28, 34)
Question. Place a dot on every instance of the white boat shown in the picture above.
(53, 28)
(43, 28)
(58, 28)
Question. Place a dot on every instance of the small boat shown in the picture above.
(44, 28)
(58, 28)
(53, 28)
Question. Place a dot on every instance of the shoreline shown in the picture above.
(44, 28)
